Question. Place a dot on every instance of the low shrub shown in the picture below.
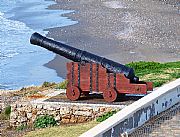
(62, 85)
(48, 84)
(106, 116)
(5, 114)
(21, 127)
(45, 121)
(7, 110)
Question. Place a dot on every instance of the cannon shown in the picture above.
(91, 73)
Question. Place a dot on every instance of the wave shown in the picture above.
(11, 33)
(22, 64)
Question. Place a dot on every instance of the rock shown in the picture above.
(34, 105)
(18, 105)
(39, 106)
(75, 108)
(22, 119)
(108, 109)
(64, 110)
(51, 108)
(22, 113)
(13, 107)
(28, 109)
(52, 112)
(57, 118)
(102, 109)
(73, 119)
(39, 113)
(14, 115)
(68, 116)
(82, 119)
(57, 107)
(85, 108)
(29, 115)
(34, 112)
(83, 113)
(33, 118)
(12, 122)
(96, 109)
(65, 121)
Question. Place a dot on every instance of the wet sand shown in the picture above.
(122, 30)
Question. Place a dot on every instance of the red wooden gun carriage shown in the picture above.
(91, 77)
(91, 73)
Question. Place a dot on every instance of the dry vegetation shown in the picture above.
(63, 130)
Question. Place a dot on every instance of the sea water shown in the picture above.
(21, 64)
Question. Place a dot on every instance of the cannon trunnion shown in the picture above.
(90, 72)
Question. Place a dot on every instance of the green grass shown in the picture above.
(62, 130)
(158, 73)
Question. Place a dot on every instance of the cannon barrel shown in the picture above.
(78, 55)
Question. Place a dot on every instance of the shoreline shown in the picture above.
(122, 31)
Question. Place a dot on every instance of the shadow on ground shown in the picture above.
(96, 99)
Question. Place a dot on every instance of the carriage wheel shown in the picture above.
(110, 95)
(73, 93)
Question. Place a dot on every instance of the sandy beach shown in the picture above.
(122, 30)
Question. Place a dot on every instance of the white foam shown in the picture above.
(10, 34)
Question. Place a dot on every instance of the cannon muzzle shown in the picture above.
(78, 55)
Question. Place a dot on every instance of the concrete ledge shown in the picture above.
(136, 114)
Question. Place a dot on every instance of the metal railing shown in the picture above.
(166, 124)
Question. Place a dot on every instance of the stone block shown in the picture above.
(39, 106)
(65, 121)
(57, 118)
(14, 115)
(34, 105)
(102, 109)
(73, 119)
(66, 116)
(83, 113)
(96, 109)
(82, 119)
(22, 113)
(108, 109)
(22, 119)
(57, 107)
(28, 109)
(65, 110)
(75, 108)
(85, 108)
(29, 115)
(34, 112)
(19, 106)
(12, 121)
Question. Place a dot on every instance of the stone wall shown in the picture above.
(26, 113)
